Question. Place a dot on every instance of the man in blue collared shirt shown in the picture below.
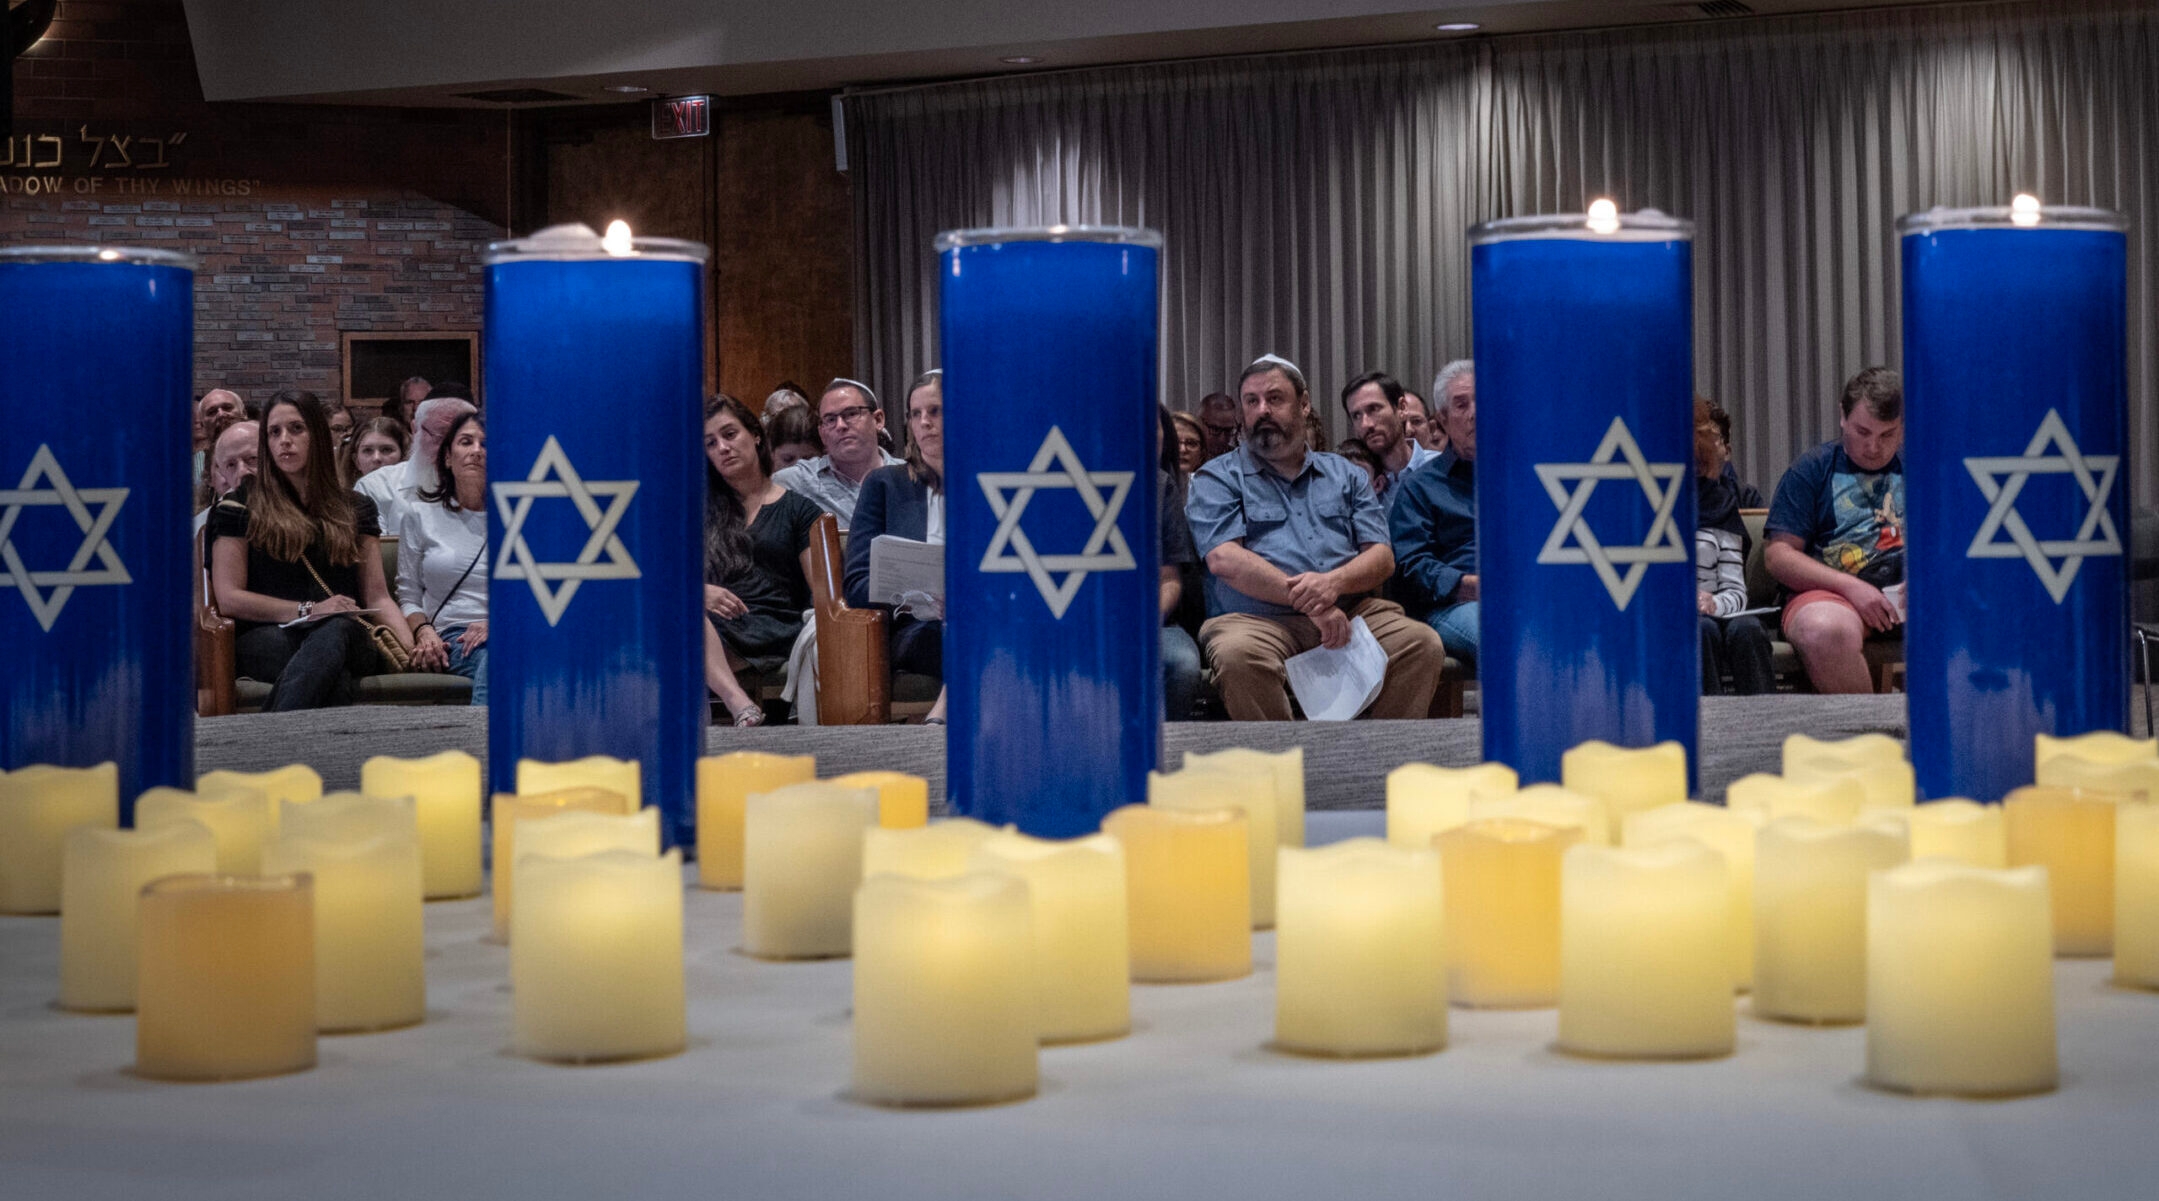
(1434, 522)
(1297, 542)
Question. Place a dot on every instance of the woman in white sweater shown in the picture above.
(442, 557)
(1732, 644)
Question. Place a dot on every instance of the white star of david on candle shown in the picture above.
(1660, 486)
(2002, 513)
(514, 501)
(1011, 551)
(96, 543)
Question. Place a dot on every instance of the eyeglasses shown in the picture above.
(840, 417)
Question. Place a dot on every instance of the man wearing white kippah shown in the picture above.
(848, 421)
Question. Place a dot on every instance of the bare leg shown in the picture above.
(1828, 637)
(719, 675)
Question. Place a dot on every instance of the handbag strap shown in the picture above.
(461, 578)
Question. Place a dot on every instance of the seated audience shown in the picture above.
(1377, 408)
(792, 435)
(1218, 414)
(393, 487)
(757, 556)
(217, 409)
(404, 405)
(1298, 546)
(1417, 418)
(849, 423)
(907, 501)
(290, 545)
(787, 395)
(1180, 654)
(232, 459)
(1190, 442)
(340, 420)
(1731, 645)
(1360, 454)
(1434, 523)
(1836, 536)
(380, 443)
(442, 557)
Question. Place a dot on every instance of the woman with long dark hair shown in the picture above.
(442, 556)
(295, 562)
(757, 555)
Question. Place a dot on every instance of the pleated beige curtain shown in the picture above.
(1314, 205)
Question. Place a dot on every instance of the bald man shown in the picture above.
(232, 459)
(217, 409)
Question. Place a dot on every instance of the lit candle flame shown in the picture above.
(1603, 216)
(2024, 210)
(617, 239)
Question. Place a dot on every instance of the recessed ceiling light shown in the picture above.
(626, 89)
(1022, 60)
(1457, 27)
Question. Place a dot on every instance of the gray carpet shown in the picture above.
(1345, 764)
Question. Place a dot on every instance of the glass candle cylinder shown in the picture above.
(1552, 805)
(1252, 792)
(1644, 965)
(1859, 748)
(1810, 917)
(935, 851)
(944, 1011)
(1626, 779)
(1360, 951)
(510, 810)
(596, 955)
(445, 792)
(238, 818)
(2136, 895)
(370, 946)
(2070, 832)
(1050, 523)
(1730, 833)
(1883, 784)
(295, 782)
(102, 877)
(1082, 945)
(801, 860)
(596, 642)
(96, 364)
(1288, 769)
(1954, 828)
(724, 783)
(2019, 591)
(350, 816)
(225, 977)
(2132, 778)
(1502, 903)
(1188, 890)
(903, 801)
(39, 806)
(2099, 746)
(1960, 980)
(1834, 800)
(1585, 485)
(1424, 800)
(568, 834)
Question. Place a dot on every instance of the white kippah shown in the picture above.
(1278, 361)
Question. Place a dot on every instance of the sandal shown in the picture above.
(752, 716)
(933, 721)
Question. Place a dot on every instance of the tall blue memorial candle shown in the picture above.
(595, 368)
(96, 575)
(1585, 485)
(1052, 658)
(2017, 475)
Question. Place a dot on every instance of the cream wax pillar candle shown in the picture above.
(1626, 779)
(1552, 805)
(2100, 746)
(1501, 877)
(1288, 769)
(1883, 785)
(369, 944)
(350, 816)
(1424, 800)
(1247, 789)
(1082, 945)
(39, 805)
(1644, 965)
(1360, 951)
(724, 783)
(944, 1009)
(2136, 895)
(509, 811)
(570, 834)
(1960, 980)
(2070, 832)
(1188, 881)
(1730, 833)
(1860, 748)
(1832, 801)
(236, 816)
(295, 782)
(102, 876)
(801, 860)
(445, 792)
(225, 977)
(903, 801)
(1810, 917)
(2136, 778)
(596, 954)
(1953, 828)
(935, 851)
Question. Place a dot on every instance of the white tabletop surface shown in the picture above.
(1190, 1105)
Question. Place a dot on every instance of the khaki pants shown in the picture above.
(1248, 651)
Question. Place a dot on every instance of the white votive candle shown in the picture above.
(1187, 877)
(1644, 961)
(225, 977)
(2070, 832)
(350, 817)
(935, 851)
(903, 800)
(2137, 778)
(724, 785)
(1952, 828)
(508, 811)
(1626, 779)
(1502, 901)
(445, 792)
(1728, 832)
(1859, 748)
(1832, 800)
(1082, 945)
(39, 805)
(1960, 980)
(2099, 746)
(801, 860)
(1883, 785)
(102, 876)
(944, 1009)
(370, 948)
(574, 834)
(295, 782)
(1424, 800)
(1810, 917)
(236, 816)
(1249, 790)
(2136, 894)
(1360, 951)
(1552, 805)
(596, 955)
(1287, 768)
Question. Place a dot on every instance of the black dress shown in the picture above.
(771, 585)
(308, 666)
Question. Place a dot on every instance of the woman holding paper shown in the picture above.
(757, 556)
(907, 502)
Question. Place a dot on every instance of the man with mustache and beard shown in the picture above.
(1298, 545)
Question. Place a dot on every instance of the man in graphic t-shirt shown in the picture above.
(1836, 536)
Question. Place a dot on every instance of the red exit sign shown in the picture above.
(682, 117)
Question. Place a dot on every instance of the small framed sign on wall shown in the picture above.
(376, 363)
